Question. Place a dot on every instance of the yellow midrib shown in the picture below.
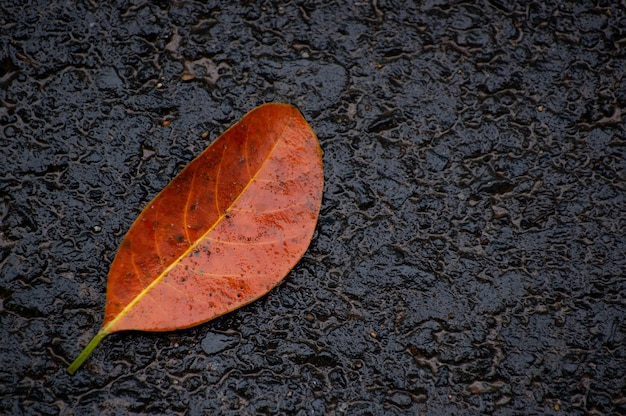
(164, 273)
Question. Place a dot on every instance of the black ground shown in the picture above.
(470, 252)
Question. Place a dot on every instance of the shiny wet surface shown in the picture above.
(469, 257)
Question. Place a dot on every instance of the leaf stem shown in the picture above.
(82, 357)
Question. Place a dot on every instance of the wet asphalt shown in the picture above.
(470, 253)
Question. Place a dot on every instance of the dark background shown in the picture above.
(470, 252)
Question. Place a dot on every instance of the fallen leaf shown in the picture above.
(224, 232)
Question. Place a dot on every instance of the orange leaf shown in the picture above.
(224, 232)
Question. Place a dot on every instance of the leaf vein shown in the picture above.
(186, 208)
(249, 243)
(172, 265)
